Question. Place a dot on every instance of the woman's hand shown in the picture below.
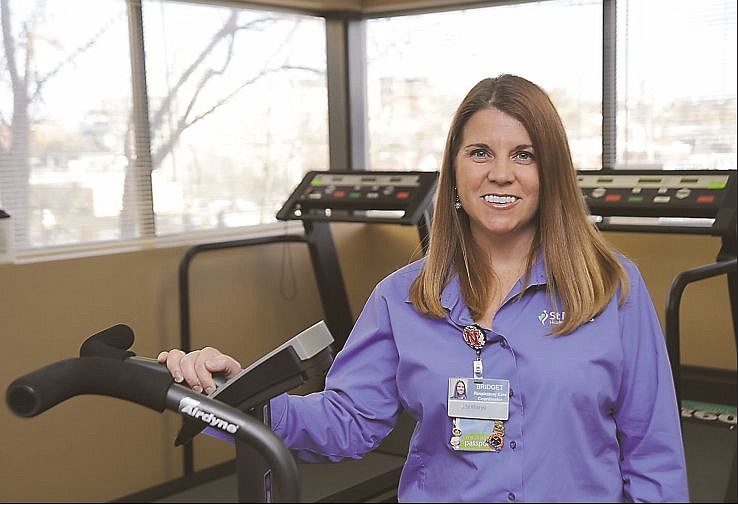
(197, 367)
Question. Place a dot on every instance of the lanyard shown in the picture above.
(475, 338)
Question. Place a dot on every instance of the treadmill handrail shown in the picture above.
(673, 305)
(38, 391)
(184, 273)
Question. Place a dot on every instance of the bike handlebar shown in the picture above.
(38, 391)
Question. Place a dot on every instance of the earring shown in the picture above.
(457, 202)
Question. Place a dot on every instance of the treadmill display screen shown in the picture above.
(363, 196)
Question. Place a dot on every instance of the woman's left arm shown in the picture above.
(647, 416)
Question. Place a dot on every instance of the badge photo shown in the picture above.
(478, 399)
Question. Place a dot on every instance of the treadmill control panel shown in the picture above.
(354, 195)
(657, 193)
(692, 201)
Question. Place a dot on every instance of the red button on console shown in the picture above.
(403, 195)
(612, 198)
(705, 198)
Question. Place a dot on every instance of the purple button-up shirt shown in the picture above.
(593, 416)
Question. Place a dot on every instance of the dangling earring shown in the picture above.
(457, 202)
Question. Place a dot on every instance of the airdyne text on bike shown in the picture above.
(191, 408)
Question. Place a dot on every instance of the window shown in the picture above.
(675, 78)
(676, 84)
(237, 108)
(238, 111)
(237, 101)
(64, 124)
(418, 66)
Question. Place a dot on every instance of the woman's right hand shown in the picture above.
(196, 368)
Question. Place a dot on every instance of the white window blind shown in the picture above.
(676, 76)
(65, 101)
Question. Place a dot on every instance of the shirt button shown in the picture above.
(512, 393)
(513, 444)
(503, 344)
(510, 496)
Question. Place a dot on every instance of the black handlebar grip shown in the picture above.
(112, 342)
(40, 390)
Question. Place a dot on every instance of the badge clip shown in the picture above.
(478, 370)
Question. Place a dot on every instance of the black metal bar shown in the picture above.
(332, 290)
(609, 83)
(424, 229)
(184, 268)
(638, 228)
(731, 490)
(248, 430)
(253, 473)
(673, 303)
(185, 339)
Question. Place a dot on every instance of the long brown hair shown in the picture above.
(581, 268)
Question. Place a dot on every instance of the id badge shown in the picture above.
(479, 399)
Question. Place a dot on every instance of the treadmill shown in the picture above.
(694, 202)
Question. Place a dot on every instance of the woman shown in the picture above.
(459, 391)
(520, 294)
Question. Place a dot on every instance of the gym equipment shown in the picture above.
(266, 470)
(701, 202)
(673, 201)
(382, 197)
(404, 198)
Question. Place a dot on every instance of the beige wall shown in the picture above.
(97, 449)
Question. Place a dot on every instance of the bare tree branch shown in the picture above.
(30, 51)
(183, 124)
(74, 54)
(261, 74)
(229, 28)
(9, 43)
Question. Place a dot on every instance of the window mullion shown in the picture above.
(347, 113)
(609, 83)
(139, 204)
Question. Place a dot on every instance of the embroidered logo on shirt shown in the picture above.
(551, 317)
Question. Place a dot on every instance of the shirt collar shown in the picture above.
(452, 300)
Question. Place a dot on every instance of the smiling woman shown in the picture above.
(508, 161)
(497, 181)
(517, 247)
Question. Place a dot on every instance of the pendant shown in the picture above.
(496, 440)
(474, 337)
(456, 437)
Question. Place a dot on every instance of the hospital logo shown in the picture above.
(551, 317)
